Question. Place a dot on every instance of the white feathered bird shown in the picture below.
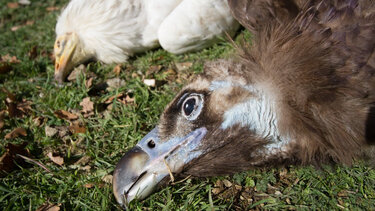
(112, 30)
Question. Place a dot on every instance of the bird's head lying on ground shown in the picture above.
(303, 93)
(110, 31)
(69, 53)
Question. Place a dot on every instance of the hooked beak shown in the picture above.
(151, 162)
(67, 55)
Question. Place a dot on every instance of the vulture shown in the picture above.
(301, 93)
(112, 30)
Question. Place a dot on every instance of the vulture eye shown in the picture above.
(192, 106)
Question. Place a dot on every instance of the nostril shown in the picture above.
(151, 144)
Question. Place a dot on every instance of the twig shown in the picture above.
(35, 162)
(183, 180)
(169, 170)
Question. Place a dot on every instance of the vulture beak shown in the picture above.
(149, 164)
(65, 55)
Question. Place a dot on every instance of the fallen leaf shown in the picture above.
(88, 185)
(38, 121)
(153, 69)
(183, 66)
(76, 127)
(24, 2)
(227, 183)
(86, 168)
(170, 74)
(56, 159)
(88, 83)
(15, 108)
(87, 105)
(278, 193)
(33, 52)
(81, 69)
(15, 28)
(16, 133)
(117, 70)
(10, 59)
(2, 116)
(107, 179)
(7, 163)
(115, 83)
(24, 106)
(5, 67)
(216, 191)
(150, 82)
(110, 99)
(13, 5)
(29, 22)
(62, 114)
(83, 160)
(124, 99)
(51, 9)
(50, 131)
(49, 207)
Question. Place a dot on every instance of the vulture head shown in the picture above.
(111, 31)
(69, 53)
(302, 93)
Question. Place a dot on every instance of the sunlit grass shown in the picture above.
(110, 133)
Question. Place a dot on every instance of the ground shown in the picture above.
(59, 144)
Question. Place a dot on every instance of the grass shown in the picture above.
(110, 133)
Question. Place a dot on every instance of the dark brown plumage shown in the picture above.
(303, 92)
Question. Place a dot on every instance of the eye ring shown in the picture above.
(192, 106)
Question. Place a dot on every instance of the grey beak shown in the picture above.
(127, 172)
(152, 160)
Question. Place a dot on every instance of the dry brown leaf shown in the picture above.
(10, 59)
(76, 127)
(15, 28)
(88, 83)
(56, 159)
(124, 99)
(7, 163)
(51, 9)
(33, 53)
(183, 66)
(38, 121)
(5, 67)
(87, 105)
(29, 22)
(115, 83)
(63, 131)
(88, 185)
(15, 108)
(16, 133)
(81, 69)
(24, 106)
(110, 99)
(83, 160)
(2, 116)
(153, 69)
(227, 183)
(117, 70)
(65, 115)
(13, 5)
(49, 207)
(107, 179)
(50, 131)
